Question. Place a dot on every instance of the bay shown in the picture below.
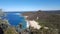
(15, 19)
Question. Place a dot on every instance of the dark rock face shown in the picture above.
(1, 31)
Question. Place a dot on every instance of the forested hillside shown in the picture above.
(51, 20)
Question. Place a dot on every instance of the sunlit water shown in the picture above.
(15, 19)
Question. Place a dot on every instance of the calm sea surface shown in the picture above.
(15, 19)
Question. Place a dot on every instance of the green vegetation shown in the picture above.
(52, 21)
(45, 19)
(4, 24)
(11, 30)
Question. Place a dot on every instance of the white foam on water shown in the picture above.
(27, 23)
(17, 13)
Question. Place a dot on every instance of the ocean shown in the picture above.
(15, 18)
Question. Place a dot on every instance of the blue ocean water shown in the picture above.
(15, 19)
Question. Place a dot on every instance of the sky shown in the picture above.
(29, 5)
